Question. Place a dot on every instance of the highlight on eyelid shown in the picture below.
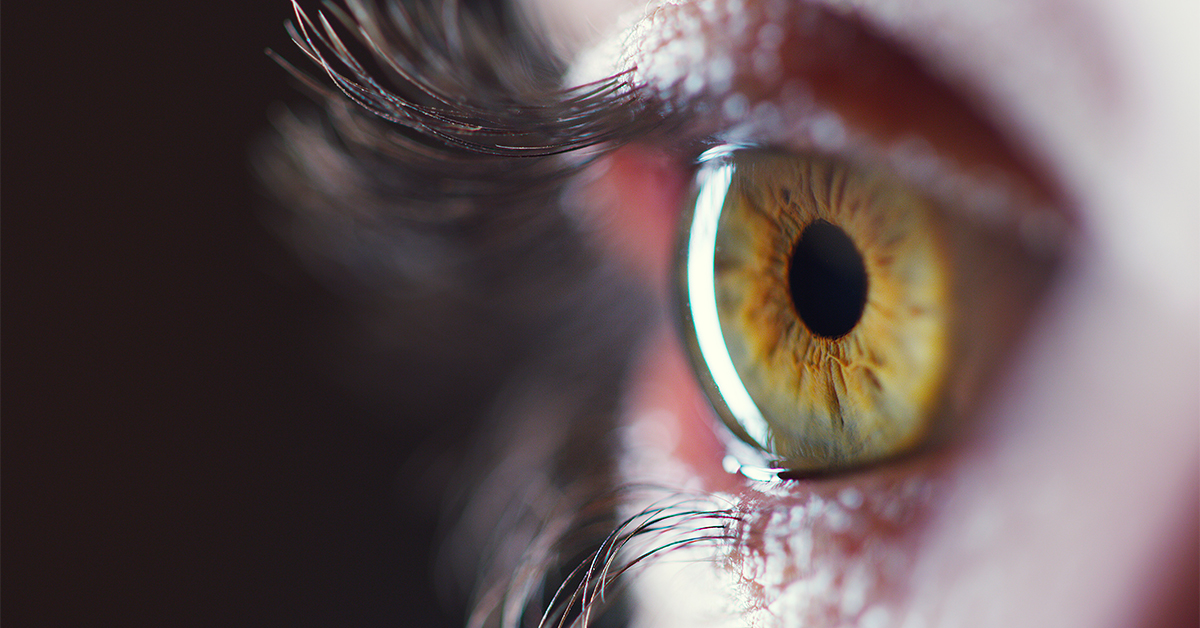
(838, 316)
(807, 77)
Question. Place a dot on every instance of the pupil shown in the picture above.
(827, 280)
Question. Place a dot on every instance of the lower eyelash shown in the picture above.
(571, 572)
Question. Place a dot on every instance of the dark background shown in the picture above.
(176, 451)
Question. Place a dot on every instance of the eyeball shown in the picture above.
(836, 315)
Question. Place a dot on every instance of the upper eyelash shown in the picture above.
(511, 111)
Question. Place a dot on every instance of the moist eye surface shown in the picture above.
(838, 315)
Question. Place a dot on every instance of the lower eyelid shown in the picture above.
(864, 531)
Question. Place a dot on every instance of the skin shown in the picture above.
(1075, 503)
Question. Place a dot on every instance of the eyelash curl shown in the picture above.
(435, 175)
(572, 574)
(466, 90)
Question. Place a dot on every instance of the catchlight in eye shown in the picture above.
(834, 312)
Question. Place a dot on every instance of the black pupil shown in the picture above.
(828, 280)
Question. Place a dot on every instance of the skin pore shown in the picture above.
(1075, 503)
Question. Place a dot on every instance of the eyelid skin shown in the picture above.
(813, 53)
(1091, 455)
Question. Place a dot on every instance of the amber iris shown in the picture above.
(820, 307)
(836, 314)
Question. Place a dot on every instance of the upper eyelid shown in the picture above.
(841, 88)
(971, 46)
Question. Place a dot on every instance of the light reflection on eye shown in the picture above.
(833, 312)
(713, 185)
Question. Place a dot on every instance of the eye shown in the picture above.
(836, 314)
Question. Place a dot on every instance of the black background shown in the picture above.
(175, 451)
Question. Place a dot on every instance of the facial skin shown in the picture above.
(1069, 495)
(1076, 502)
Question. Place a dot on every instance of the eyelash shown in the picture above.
(513, 111)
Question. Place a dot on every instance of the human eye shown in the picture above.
(608, 399)
(834, 314)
